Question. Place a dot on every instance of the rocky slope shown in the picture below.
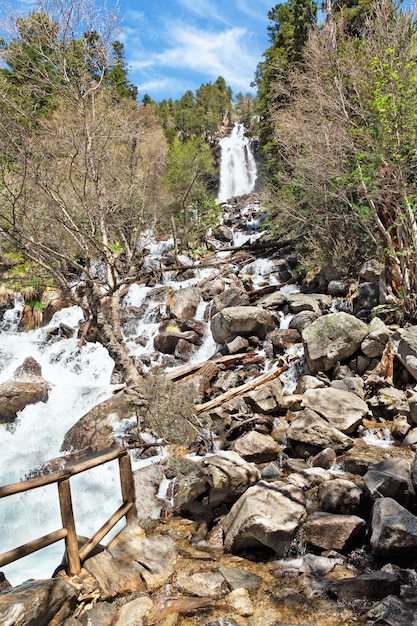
(298, 504)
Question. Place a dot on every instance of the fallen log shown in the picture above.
(256, 294)
(237, 391)
(228, 361)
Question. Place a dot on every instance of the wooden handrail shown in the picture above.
(75, 556)
(53, 477)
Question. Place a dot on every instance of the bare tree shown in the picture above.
(349, 135)
(79, 185)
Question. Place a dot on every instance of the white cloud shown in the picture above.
(203, 8)
(155, 86)
(224, 53)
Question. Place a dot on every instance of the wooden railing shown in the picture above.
(75, 555)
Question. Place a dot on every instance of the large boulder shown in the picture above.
(15, 395)
(241, 320)
(266, 398)
(332, 338)
(183, 303)
(393, 533)
(257, 448)
(343, 409)
(95, 429)
(374, 343)
(37, 602)
(330, 531)
(217, 480)
(404, 346)
(132, 562)
(312, 433)
(391, 478)
(308, 302)
(369, 586)
(340, 496)
(231, 297)
(267, 516)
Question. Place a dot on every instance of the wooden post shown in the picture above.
(67, 516)
(127, 485)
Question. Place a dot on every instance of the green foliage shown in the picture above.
(117, 75)
(290, 25)
(200, 114)
(30, 58)
(189, 169)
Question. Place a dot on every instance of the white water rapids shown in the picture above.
(237, 166)
(80, 379)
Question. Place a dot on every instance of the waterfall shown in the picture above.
(237, 165)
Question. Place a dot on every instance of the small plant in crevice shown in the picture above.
(168, 412)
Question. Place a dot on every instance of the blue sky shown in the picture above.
(172, 46)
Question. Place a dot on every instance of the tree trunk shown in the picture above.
(106, 312)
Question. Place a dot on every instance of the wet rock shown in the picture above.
(367, 297)
(325, 458)
(283, 338)
(210, 584)
(240, 602)
(95, 429)
(257, 448)
(218, 479)
(368, 586)
(132, 562)
(340, 496)
(404, 346)
(313, 433)
(332, 338)
(241, 320)
(39, 602)
(330, 531)
(239, 578)
(361, 457)
(392, 611)
(393, 532)
(391, 478)
(147, 481)
(374, 343)
(4, 583)
(167, 342)
(183, 303)
(29, 371)
(232, 297)
(266, 398)
(267, 516)
(303, 320)
(342, 409)
(16, 395)
(133, 613)
(389, 402)
(308, 302)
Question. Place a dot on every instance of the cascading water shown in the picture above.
(80, 379)
(237, 166)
